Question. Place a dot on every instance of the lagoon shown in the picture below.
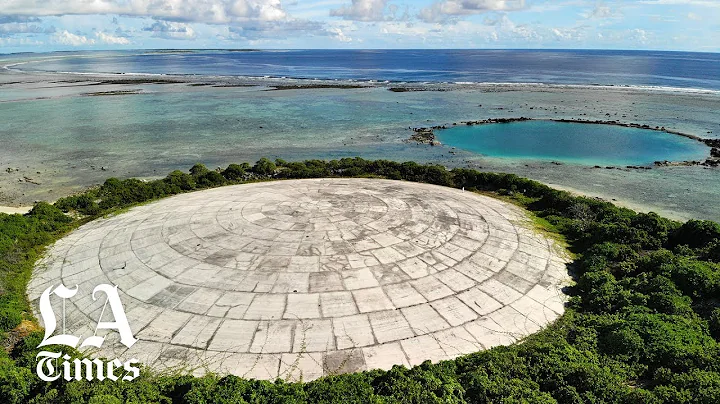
(587, 144)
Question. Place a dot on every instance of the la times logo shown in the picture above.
(48, 368)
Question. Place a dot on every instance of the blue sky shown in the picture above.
(48, 25)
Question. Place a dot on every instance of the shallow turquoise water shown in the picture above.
(573, 142)
(66, 142)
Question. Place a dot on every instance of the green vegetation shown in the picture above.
(642, 325)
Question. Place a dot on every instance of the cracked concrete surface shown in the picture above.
(305, 278)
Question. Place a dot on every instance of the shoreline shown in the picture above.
(623, 203)
(285, 83)
(11, 210)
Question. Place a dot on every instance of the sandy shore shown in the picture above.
(10, 210)
(626, 203)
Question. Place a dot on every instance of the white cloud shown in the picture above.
(257, 30)
(7, 19)
(340, 35)
(170, 30)
(676, 24)
(19, 28)
(112, 39)
(362, 10)
(568, 34)
(639, 35)
(704, 3)
(442, 11)
(68, 38)
(629, 37)
(208, 11)
(602, 14)
(600, 11)
(19, 41)
(12, 25)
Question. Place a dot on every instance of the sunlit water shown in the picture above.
(66, 141)
(573, 142)
(606, 67)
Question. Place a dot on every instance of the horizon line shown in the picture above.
(356, 49)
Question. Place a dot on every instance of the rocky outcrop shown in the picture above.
(710, 162)
(712, 142)
(424, 136)
(495, 120)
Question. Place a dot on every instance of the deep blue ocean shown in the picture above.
(583, 67)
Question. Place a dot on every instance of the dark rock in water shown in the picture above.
(712, 142)
(29, 180)
(711, 162)
(715, 152)
(423, 136)
(494, 120)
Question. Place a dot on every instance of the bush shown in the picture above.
(211, 179)
(15, 382)
(235, 172)
(264, 167)
(179, 181)
(695, 278)
(9, 318)
(696, 233)
(198, 170)
(715, 324)
(712, 252)
(84, 204)
(624, 341)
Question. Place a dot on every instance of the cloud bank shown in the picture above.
(445, 10)
(206, 11)
(362, 10)
(93, 24)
